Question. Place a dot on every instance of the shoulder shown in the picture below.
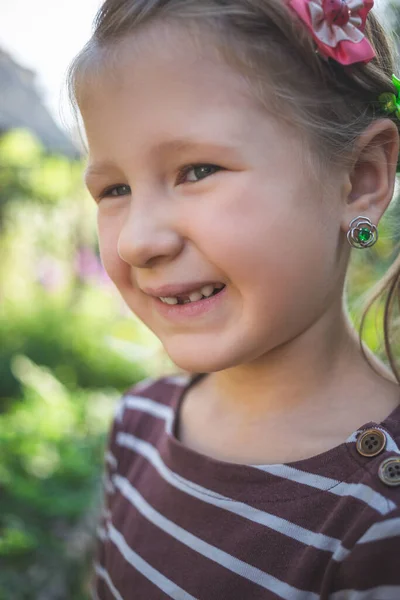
(370, 569)
(367, 559)
(161, 389)
(151, 395)
(143, 413)
(149, 400)
(365, 562)
(375, 450)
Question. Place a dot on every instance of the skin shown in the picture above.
(280, 353)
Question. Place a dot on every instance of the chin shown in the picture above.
(198, 360)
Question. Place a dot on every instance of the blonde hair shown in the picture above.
(330, 104)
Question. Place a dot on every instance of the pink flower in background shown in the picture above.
(49, 273)
(103, 278)
(88, 267)
(86, 264)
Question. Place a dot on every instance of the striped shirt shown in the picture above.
(178, 524)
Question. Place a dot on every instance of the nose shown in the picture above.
(148, 236)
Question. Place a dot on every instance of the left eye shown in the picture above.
(200, 171)
(116, 191)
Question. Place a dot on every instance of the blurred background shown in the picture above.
(68, 344)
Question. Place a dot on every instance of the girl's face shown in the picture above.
(196, 183)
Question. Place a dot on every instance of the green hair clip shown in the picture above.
(390, 103)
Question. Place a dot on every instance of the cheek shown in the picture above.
(248, 227)
(267, 243)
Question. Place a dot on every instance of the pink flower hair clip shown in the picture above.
(337, 26)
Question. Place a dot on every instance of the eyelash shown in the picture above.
(108, 191)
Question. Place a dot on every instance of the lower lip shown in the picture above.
(178, 312)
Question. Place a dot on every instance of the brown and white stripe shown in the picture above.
(177, 524)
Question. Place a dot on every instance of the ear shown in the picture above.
(372, 176)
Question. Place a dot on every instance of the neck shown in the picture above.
(320, 368)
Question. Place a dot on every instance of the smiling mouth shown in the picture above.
(203, 294)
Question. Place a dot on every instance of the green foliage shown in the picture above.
(51, 458)
(27, 173)
(71, 342)
(19, 148)
(74, 347)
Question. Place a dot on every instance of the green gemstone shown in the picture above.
(364, 235)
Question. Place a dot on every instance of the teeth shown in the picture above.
(169, 300)
(194, 296)
(207, 290)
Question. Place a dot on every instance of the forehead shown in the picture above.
(161, 79)
(159, 53)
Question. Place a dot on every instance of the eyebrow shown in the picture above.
(175, 146)
(186, 144)
(98, 168)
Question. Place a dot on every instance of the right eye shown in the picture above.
(115, 191)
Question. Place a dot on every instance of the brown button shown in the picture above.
(371, 442)
(389, 471)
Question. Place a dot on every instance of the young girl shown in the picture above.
(238, 150)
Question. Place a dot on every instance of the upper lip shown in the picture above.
(174, 290)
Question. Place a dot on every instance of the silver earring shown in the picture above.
(362, 233)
